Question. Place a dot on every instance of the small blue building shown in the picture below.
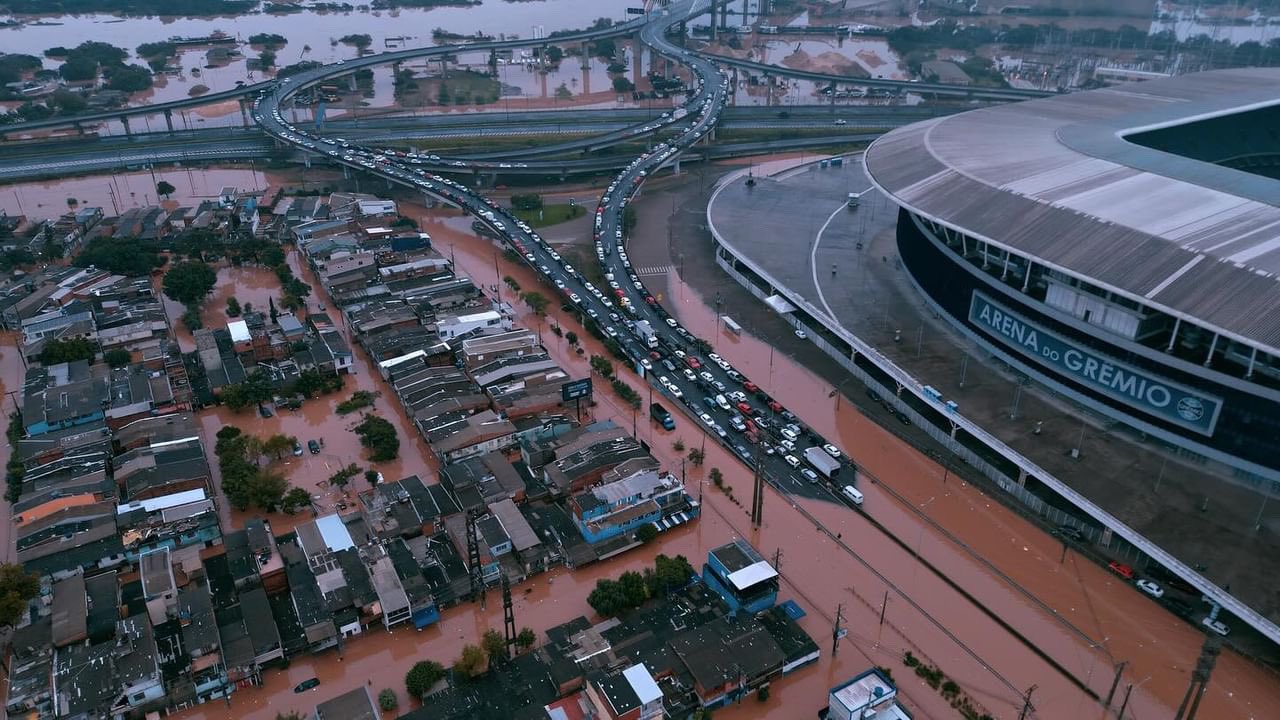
(741, 577)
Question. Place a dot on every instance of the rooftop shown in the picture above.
(1197, 240)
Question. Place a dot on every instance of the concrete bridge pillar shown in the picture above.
(168, 119)
(584, 54)
(675, 167)
(124, 120)
(1022, 477)
(637, 52)
(346, 172)
(79, 128)
(306, 160)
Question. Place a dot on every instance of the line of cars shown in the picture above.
(1153, 586)
(616, 309)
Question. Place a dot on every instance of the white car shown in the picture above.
(1216, 626)
(801, 334)
(791, 460)
(706, 420)
(671, 322)
(834, 452)
(644, 363)
(1151, 588)
(789, 434)
(675, 391)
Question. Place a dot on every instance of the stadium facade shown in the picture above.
(1119, 246)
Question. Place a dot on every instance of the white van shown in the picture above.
(851, 493)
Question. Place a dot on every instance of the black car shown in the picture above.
(1179, 607)
(265, 411)
(314, 447)
(306, 685)
(1071, 532)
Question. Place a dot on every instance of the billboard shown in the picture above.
(1143, 391)
(575, 389)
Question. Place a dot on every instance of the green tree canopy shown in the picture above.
(17, 588)
(189, 282)
(165, 189)
(379, 436)
(494, 644)
(117, 357)
(422, 676)
(471, 662)
(59, 351)
(120, 255)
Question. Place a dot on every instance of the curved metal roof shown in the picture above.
(1056, 180)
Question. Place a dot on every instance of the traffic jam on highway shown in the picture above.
(740, 414)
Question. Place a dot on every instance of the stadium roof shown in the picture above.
(1057, 180)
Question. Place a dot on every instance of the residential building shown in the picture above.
(620, 507)
(870, 695)
(743, 579)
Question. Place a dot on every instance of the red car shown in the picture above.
(744, 408)
(750, 387)
(775, 406)
(1121, 569)
(649, 299)
(692, 362)
(619, 293)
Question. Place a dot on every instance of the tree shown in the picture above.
(294, 500)
(371, 476)
(571, 337)
(117, 357)
(633, 588)
(165, 189)
(717, 477)
(17, 588)
(233, 307)
(646, 533)
(526, 638)
(697, 457)
(526, 201)
(379, 436)
(536, 301)
(128, 78)
(59, 351)
(668, 574)
(678, 445)
(279, 444)
(422, 676)
(602, 365)
(291, 715)
(119, 255)
(563, 92)
(271, 309)
(622, 85)
(387, 699)
(494, 644)
(267, 59)
(189, 282)
(343, 476)
(470, 663)
(608, 598)
(272, 256)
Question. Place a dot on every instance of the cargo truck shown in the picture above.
(822, 462)
(663, 416)
(644, 330)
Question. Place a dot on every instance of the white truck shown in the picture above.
(644, 330)
(822, 462)
(679, 113)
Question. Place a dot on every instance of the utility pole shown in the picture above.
(777, 560)
(1200, 678)
(1115, 683)
(757, 494)
(508, 615)
(473, 556)
(837, 632)
(1027, 707)
(1125, 703)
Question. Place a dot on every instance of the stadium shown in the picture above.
(1119, 246)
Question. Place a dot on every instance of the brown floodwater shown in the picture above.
(1120, 624)
(118, 192)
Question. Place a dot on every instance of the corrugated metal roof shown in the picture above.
(1055, 179)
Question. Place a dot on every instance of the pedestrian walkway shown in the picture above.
(659, 270)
